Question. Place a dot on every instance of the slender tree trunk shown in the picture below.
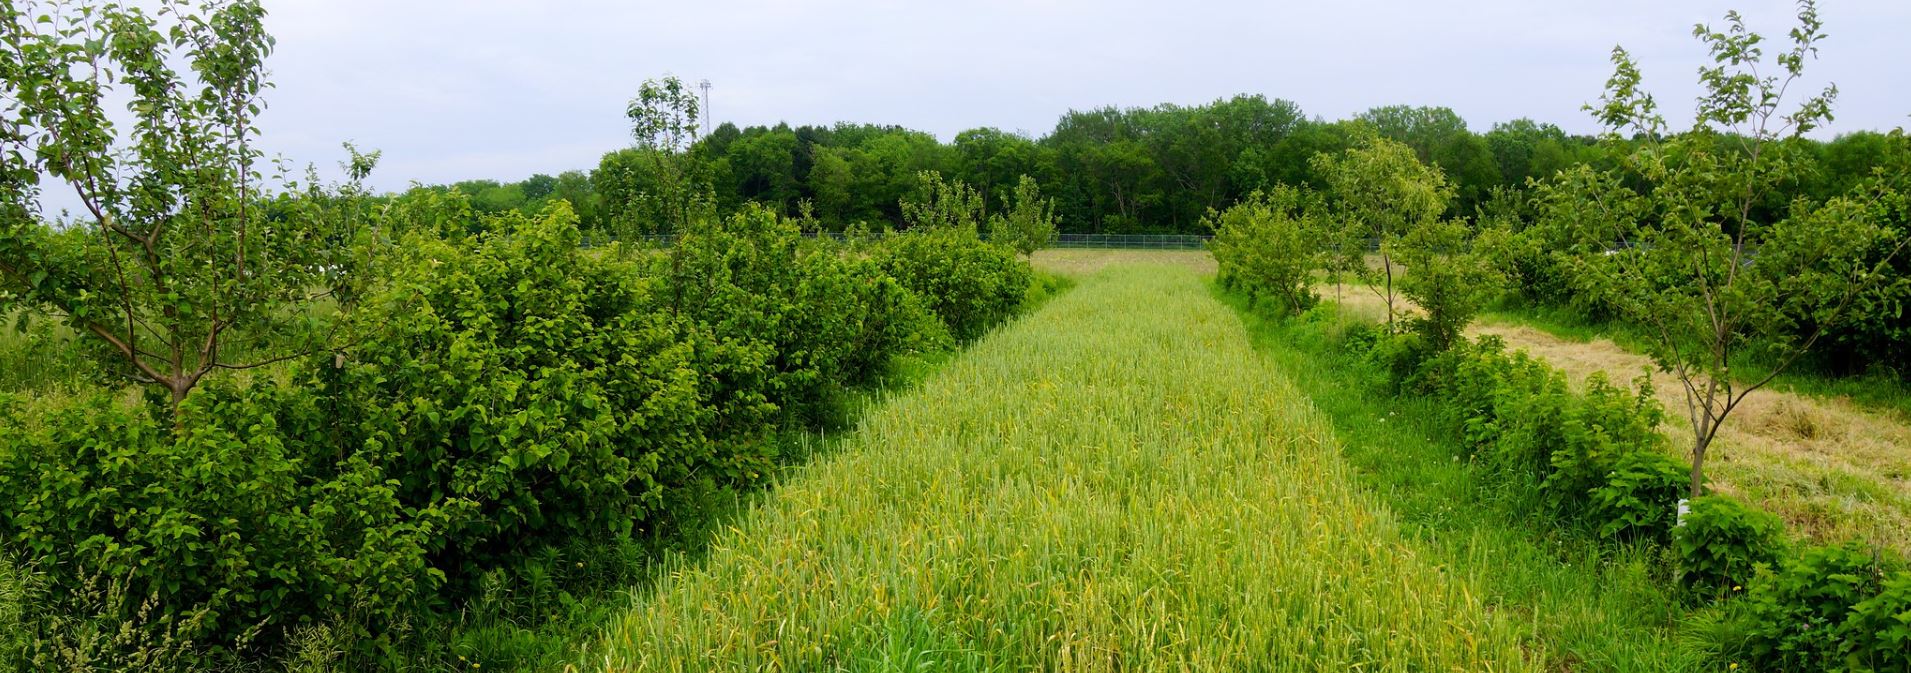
(1699, 448)
(1706, 431)
(1388, 262)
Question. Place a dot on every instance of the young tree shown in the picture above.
(1028, 221)
(1269, 244)
(1687, 259)
(663, 122)
(1383, 192)
(179, 269)
(941, 204)
(1446, 278)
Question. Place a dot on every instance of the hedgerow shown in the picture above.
(504, 395)
(970, 283)
(829, 319)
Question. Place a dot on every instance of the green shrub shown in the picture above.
(1402, 359)
(1027, 222)
(1829, 609)
(538, 394)
(504, 395)
(1595, 455)
(1597, 429)
(1267, 246)
(1478, 383)
(829, 320)
(1448, 281)
(1878, 633)
(1527, 416)
(1722, 543)
(1639, 497)
(236, 528)
(971, 284)
(887, 319)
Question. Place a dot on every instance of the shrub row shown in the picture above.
(970, 284)
(505, 394)
(1596, 456)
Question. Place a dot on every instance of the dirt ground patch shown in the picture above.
(1831, 469)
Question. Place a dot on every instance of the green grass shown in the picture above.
(39, 355)
(1592, 605)
(1117, 482)
(1878, 390)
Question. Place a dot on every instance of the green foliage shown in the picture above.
(44, 357)
(1874, 330)
(663, 116)
(1635, 498)
(1595, 455)
(940, 204)
(661, 185)
(1440, 138)
(180, 264)
(1877, 635)
(245, 525)
(431, 213)
(1722, 543)
(1447, 279)
(830, 320)
(505, 395)
(1597, 428)
(1829, 608)
(971, 284)
(1268, 246)
(1678, 245)
(647, 191)
(1382, 192)
(535, 394)
(1525, 150)
(1029, 223)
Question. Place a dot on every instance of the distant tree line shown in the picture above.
(1151, 170)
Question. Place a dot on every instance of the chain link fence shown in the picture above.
(1104, 241)
(1133, 241)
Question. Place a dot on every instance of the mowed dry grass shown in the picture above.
(1118, 482)
(1831, 469)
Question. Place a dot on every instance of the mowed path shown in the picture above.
(1117, 482)
(1831, 469)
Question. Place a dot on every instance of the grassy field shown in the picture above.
(37, 356)
(1592, 605)
(1118, 482)
(1078, 262)
(1877, 392)
(1833, 467)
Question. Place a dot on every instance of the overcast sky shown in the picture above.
(457, 89)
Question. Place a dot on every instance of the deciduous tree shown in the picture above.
(1027, 222)
(179, 270)
(1383, 192)
(1686, 258)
